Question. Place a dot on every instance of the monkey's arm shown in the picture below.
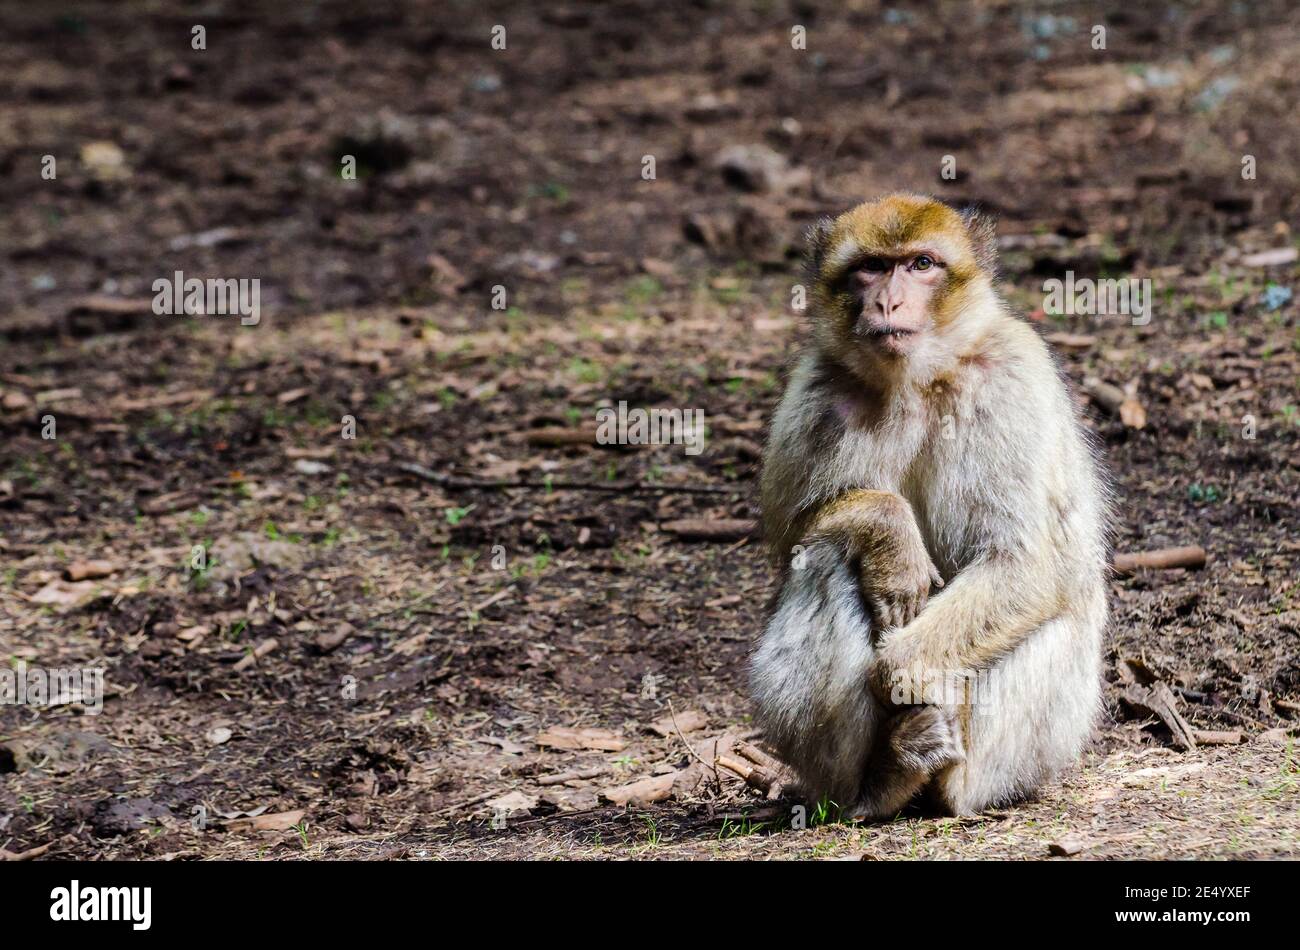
(986, 611)
(879, 530)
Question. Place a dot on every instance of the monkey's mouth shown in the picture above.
(889, 340)
(874, 330)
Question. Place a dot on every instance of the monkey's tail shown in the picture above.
(808, 675)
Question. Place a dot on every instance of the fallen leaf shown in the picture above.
(505, 745)
(104, 161)
(571, 799)
(197, 632)
(688, 720)
(513, 804)
(60, 593)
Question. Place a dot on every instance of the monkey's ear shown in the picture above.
(818, 239)
(981, 225)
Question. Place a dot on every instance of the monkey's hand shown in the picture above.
(879, 532)
(902, 674)
(897, 573)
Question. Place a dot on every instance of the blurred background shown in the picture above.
(523, 165)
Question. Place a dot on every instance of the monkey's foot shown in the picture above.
(922, 741)
(926, 739)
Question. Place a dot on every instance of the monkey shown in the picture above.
(939, 519)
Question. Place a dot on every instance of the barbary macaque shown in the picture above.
(940, 523)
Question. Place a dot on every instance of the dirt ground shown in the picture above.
(391, 641)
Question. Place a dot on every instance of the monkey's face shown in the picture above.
(892, 278)
(891, 299)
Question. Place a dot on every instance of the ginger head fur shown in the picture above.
(901, 286)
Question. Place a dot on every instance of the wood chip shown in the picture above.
(755, 776)
(261, 650)
(1271, 258)
(1157, 700)
(711, 529)
(1067, 846)
(643, 792)
(279, 821)
(1210, 737)
(1192, 556)
(88, 570)
(564, 737)
(557, 435)
(1116, 401)
(1071, 341)
(331, 640)
(573, 775)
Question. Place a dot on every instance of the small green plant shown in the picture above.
(551, 190)
(652, 835)
(586, 371)
(643, 289)
(823, 810)
(740, 828)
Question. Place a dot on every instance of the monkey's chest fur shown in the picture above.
(921, 451)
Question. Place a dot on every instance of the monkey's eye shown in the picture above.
(923, 263)
(875, 265)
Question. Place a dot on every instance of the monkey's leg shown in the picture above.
(1030, 717)
(808, 676)
(915, 745)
